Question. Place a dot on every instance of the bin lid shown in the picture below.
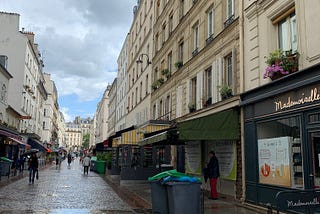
(6, 159)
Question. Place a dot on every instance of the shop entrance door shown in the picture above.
(315, 155)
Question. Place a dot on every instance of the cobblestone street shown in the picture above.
(61, 191)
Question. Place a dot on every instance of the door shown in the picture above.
(315, 155)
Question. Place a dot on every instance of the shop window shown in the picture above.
(314, 118)
(280, 152)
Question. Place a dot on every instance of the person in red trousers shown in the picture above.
(213, 174)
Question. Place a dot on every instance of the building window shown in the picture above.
(147, 84)
(193, 92)
(230, 8)
(140, 91)
(44, 112)
(170, 27)
(156, 42)
(208, 86)
(287, 32)
(195, 39)
(228, 70)
(181, 8)
(169, 61)
(43, 125)
(161, 109)
(154, 111)
(155, 78)
(163, 33)
(167, 108)
(210, 16)
(180, 53)
(3, 93)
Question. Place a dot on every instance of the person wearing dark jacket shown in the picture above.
(212, 172)
(33, 167)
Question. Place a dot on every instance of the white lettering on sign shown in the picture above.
(304, 98)
(299, 203)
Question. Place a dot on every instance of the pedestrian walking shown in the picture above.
(22, 159)
(86, 164)
(212, 172)
(69, 159)
(33, 167)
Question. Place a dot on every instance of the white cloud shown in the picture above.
(65, 112)
(80, 40)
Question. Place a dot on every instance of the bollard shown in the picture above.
(269, 208)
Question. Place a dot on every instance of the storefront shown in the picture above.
(282, 136)
(220, 132)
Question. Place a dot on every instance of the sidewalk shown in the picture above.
(138, 195)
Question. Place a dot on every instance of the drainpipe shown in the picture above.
(242, 88)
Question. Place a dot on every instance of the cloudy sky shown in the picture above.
(80, 41)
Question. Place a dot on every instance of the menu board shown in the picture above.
(193, 157)
(274, 161)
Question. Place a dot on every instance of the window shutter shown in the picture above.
(179, 102)
(220, 76)
(199, 89)
(234, 79)
(187, 94)
(214, 81)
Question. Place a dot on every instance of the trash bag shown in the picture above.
(181, 179)
(173, 175)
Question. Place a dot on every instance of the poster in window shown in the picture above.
(226, 153)
(274, 161)
(193, 157)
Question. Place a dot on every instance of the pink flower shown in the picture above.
(273, 69)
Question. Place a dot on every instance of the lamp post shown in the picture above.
(139, 60)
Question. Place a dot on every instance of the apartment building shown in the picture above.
(112, 108)
(5, 77)
(196, 57)
(25, 64)
(122, 87)
(139, 68)
(102, 116)
(281, 100)
(61, 130)
(50, 112)
(73, 136)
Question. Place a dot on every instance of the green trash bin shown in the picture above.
(101, 167)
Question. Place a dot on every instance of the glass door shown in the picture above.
(315, 155)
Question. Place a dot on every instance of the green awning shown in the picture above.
(154, 139)
(219, 126)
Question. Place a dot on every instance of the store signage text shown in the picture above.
(311, 97)
(299, 203)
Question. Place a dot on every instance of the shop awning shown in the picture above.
(7, 134)
(37, 145)
(154, 139)
(219, 126)
(20, 142)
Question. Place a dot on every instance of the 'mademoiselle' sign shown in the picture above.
(295, 100)
(295, 200)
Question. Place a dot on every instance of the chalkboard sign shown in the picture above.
(304, 201)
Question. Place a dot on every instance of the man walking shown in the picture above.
(33, 167)
(86, 164)
(213, 174)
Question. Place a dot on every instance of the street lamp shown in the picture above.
(139, 60)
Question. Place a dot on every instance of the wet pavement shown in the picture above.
(61, 191)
